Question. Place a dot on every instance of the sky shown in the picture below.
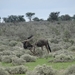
(41, 8)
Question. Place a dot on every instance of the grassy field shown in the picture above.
(41, 61)
(58, 66)
(60, 36)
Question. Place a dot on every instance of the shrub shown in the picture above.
(39, 52)
(28, 58)
(6, 59)
(63, 58)
(65, 52)
(3, 47)
(42, 70)
(70, 70)
(18, 61)
(19, 53)
(3, 72)
(7, 52)
(12, 43)
(72, 48)
(66, 45)
(56, 47)
(67, 34)
(54, 40)
(17, 69)
(72, 41)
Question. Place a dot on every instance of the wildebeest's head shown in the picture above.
(27, 45)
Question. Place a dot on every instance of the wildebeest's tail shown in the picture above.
(49, 47)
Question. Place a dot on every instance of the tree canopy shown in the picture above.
(14, 18)
(29, 15)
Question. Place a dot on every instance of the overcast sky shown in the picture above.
(41, 8)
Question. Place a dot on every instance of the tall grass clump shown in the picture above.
(3, 72)
(63, 58)
(42, 70)
(67, 34)
(7, 52)
(72, 48)
(28, 58)
(6, 59)
(39, 52)
(17, 69)
(66, 45)
(3, 47)
(56, 47)
(12, 43)
(18, 61)
(70, 70)
(54, 40)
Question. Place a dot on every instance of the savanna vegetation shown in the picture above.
(14, 60)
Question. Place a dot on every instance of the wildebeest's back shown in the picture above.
(41, 43)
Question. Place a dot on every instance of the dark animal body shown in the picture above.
(27, 45)
(40, 43)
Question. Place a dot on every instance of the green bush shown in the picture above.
(70, 70)
(28, 58)
(39, 52)
(72, 48)
(63, 58)
(18, 61)
(7, 52)
(56, 47)
(3, 72)
(54, 40)
(66, 45)
(42, 70)
(12, 43)
(67, 34)
(17, 69)
(19, 53)
(6, 59)
(3, 47)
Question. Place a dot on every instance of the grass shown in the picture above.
(41, 61)
(20, 31)
(19, 74)
(5, 64)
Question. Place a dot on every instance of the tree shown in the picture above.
(21, 18)
(74, 17)
(14, 18)
(36, 19)
(65, 17)
(0, 19)
(53, 16)
(29, 15)
(5, 19)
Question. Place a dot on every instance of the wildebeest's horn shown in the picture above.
(30, 36)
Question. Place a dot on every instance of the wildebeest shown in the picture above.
(27, 45)
(40, 43)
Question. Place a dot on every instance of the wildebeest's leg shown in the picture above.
(47, 48)
(32, 51)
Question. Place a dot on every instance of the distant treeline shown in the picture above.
(53, 16)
